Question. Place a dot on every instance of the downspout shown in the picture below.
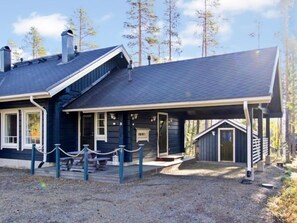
(249, 138)
(44, 128)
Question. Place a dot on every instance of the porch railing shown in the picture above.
(256, 150)
(85, 153)
(265, 146)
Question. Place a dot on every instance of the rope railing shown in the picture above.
(86, 150)
(103, 154)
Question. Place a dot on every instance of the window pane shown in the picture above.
(10, 135)
(33, 128)
(100, 115)
(101, 131)
(101, 124)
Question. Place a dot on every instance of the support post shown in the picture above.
(141, 161)
(268, 158)
(121, 167)
(249, 116)
(57, 160)
(33, 159)
(260, 164)
(86, 166)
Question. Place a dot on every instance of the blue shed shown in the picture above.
(223, 141)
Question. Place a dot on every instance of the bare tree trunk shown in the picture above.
(170, 33)
(140, 34)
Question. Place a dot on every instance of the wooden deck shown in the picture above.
(111, 174)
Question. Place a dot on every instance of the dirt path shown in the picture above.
(194, 192)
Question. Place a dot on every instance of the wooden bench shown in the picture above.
(66, 163)
(100, 162)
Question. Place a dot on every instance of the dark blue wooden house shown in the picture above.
(223, 141)
(91, 97)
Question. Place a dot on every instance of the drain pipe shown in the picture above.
(44, 128)
(249, 139)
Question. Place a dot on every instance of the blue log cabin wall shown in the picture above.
(61, 127)
(208, 144)
(122, 131)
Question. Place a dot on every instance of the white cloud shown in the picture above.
(48, 25)
(228, 6)
(190, 35)
(105, 18)
(271, 14)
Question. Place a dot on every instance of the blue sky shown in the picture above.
(108, 16)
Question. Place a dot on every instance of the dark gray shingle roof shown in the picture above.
(235, 75)
(41, 77)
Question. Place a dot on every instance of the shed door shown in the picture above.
(226, 145)
(87, 130)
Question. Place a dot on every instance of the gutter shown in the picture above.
(249, 139)
(44, 127)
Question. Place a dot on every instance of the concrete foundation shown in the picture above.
(260, 166)
(268, 160)
(250, 175)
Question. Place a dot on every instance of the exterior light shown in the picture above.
(134, 116)
(113, 116)
(153, 119)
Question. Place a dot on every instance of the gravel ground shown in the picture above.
(192, 192)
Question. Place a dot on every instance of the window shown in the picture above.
(101, 126)
(10, 129)
(31, 128)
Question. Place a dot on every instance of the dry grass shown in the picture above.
(284, 205)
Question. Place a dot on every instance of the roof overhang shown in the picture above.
(56, 88)
(190, 104)
(21, 97)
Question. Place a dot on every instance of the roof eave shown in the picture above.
(208, 103)
(21, 97)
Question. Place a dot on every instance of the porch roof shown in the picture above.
(227, 79)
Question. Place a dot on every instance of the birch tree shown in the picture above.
(141, 27)
(34, 43)
(83, 29)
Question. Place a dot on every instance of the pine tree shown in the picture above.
(34, 42)
(208, 21)
(141, 27)
(82, 28)
(172, 17)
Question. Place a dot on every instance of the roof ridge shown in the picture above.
(212, 56)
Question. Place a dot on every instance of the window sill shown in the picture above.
(9, 146)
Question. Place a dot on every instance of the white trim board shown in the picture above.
(219, 143)
(158, 153)
(190, 104)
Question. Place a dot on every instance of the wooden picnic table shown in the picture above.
(94, 162)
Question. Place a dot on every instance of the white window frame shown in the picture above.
(24, 125)
(219, 143)
(3, 126)
(97, 136)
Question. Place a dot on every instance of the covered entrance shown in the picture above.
(87, 129)
(162, 134)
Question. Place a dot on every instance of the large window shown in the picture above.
(10, 129)
(101, 126)
(31, 128)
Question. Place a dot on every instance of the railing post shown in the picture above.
(121, 167)
(33, 159)
(140, 160)
(57, 160)
(86, 163)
